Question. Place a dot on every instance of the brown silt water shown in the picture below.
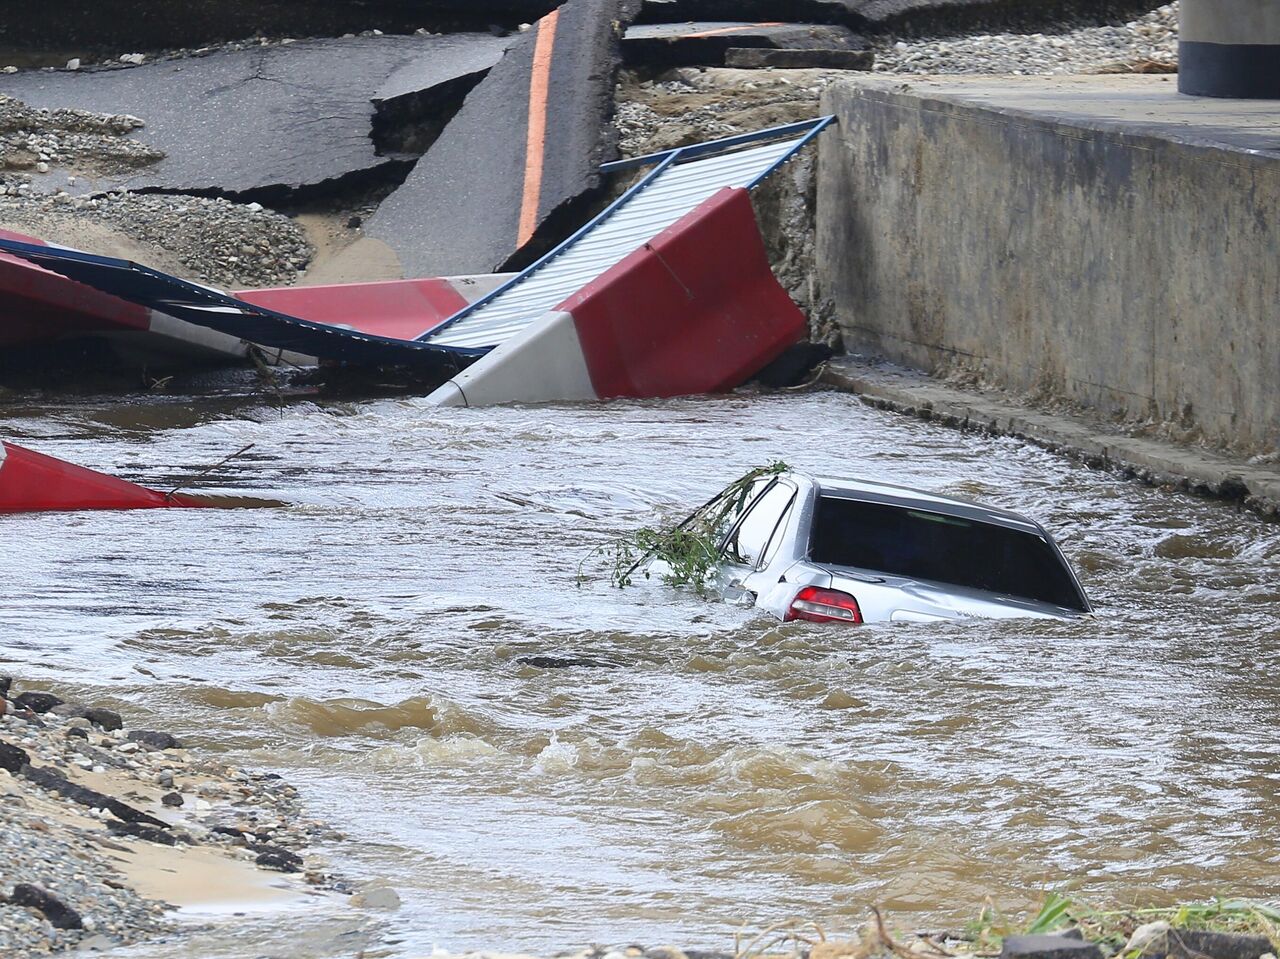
(365, 640)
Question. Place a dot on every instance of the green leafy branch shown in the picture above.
(690, 550)
(1112, 928)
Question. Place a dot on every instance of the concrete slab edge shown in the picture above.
(1198, 472)
(931, 93)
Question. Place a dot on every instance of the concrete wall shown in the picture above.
(1095, 239)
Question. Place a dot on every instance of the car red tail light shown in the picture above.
(824, 606)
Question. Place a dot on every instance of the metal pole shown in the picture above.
(1230, 48)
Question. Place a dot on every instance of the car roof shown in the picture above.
(869, 491)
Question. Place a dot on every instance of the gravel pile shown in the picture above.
(68, 865)
(231, 245)
(59, 889)
(1143, 45)
(33, 139)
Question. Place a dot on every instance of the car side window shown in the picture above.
(747, 542)
(775, 540)
(740, 509)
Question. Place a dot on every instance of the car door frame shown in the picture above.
(750, 575)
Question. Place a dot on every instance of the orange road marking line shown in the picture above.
(715, 33)
(535, 144)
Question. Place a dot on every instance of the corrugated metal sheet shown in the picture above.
(676, 186)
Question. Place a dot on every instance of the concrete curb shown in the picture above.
(1200, 472)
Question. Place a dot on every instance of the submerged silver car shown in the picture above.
(848, 551)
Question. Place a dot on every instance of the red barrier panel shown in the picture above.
(696, 310)
(32, 482)
(37, 305)
(400, 308)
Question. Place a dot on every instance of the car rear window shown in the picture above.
(948, 549)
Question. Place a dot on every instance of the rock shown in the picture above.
(6, 682)
(269, 850)
(757, 57)
(107, 719)
(77, 732)
(235, 833)
(1064, 946)
(376, 897)
(1161, 939)
(36, 702)
(142, 831)
(73, 63)
(278, 862)
(59, 914)
(68, 711)
(153, 740)
(12, 758)
(54, 782)
(171, 799)
(28, 716)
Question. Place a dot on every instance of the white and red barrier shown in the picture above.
(695, 310)
(32, 482)
(39, 306)
(38, 302)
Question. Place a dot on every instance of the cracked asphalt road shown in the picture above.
(287, 116)
(528, 141)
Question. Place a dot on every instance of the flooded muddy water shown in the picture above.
(364, 641)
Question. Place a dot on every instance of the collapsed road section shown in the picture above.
(246, 122)
(527, 144)
(718, 317)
